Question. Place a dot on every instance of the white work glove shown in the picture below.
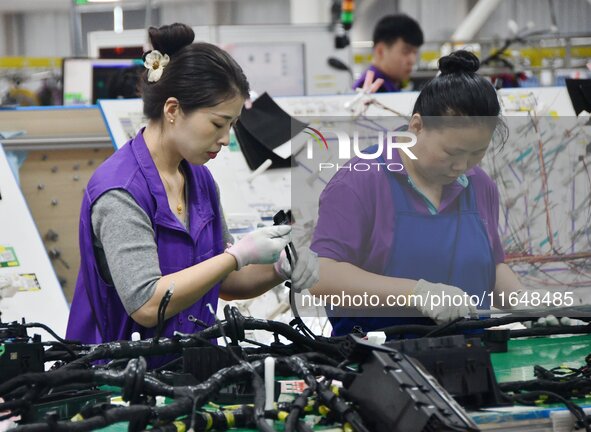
(9, 423)
(438, 301)
(306, 272)
(552, 321)
(548, 320)
(9, 285)
(262, 246)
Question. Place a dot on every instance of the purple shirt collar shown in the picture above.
(397, 159)
(449, 193)
(156, 187)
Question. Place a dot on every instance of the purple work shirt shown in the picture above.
(357, 217)
(388, 86)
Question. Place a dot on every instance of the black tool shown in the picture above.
(338, 64)
(285, 218)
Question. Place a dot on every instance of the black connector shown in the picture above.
(19, 353)
(394, 393)
(462, 366)
(234, 324)
(496, 340)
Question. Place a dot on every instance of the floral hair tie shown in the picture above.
(155, 62)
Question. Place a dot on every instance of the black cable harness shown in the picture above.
(559, 384)
(306, 357)
(135, 382)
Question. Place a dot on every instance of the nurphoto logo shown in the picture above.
(391, 140)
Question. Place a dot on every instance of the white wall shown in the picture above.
(2, 37)
(310, 11)
(572, 16)
(47, 34)
(438, 19)
(260, 12)
(216, 12)
(197, 13)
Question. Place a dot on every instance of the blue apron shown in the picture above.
(451, 248)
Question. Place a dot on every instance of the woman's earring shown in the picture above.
(171, 120)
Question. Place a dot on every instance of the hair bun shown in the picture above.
(169, 39)
(461, 61)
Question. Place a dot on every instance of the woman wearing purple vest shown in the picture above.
(427, 235)
(151, 217)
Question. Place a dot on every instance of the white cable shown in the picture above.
(269, 385)
(261, 169)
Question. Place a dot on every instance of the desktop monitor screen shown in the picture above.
(86, 80)
(130, 52)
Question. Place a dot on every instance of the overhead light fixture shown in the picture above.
(117, 19)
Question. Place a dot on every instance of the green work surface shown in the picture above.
(517, 364)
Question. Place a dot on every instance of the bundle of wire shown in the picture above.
(304, 356)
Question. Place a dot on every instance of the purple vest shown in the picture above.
(97, 314)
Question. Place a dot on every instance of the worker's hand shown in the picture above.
(306, 272)
(539, 302)
(9, 285)
(552, 321)
(369, 85)
(438, 301)
(262, 246)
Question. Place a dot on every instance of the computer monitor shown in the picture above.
(121, 52)
(86, 80)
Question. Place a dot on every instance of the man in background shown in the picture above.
(396, 42)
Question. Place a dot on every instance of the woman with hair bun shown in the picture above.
(426, 236)
(151, 220)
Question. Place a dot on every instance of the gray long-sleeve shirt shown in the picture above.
(125, 247)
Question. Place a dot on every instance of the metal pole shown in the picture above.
(475, 20)
(148, 22)
(75, 31)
